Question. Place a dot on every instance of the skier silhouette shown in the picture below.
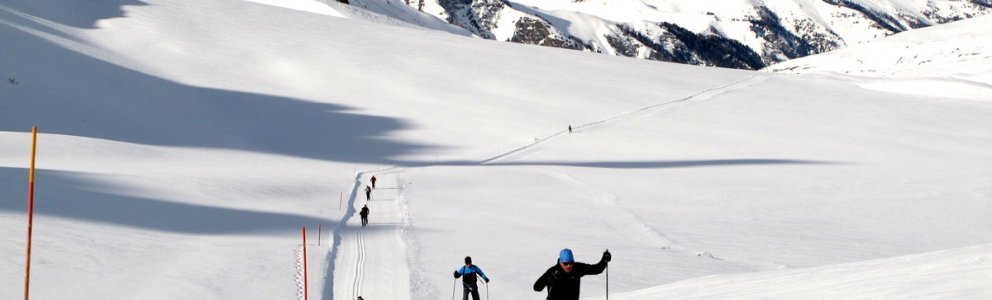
(365, 215)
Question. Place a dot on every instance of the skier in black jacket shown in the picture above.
(563, 279)
(365, 215)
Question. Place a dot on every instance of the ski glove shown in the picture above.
(607, 256)
(487, 280)
(457, 274)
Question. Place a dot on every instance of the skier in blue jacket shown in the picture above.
(468, 275)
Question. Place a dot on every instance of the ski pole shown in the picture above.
(453, 285)
(487, 286)
(607, 278)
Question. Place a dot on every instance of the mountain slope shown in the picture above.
(746, 34)
(184, 143)
(951, 61)
(951, 50)
(938, 275)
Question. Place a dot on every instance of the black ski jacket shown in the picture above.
(565, 286)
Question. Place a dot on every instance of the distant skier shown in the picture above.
(569, 128)
(468, 274)
(365, 215)
(373, 181)
(563, 279)
(368, 193)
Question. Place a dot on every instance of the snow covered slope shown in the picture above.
(184, 143)
(945, 50)
(952, 60)
(748, 34)
(936, 275)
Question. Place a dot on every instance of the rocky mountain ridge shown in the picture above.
(743, 34)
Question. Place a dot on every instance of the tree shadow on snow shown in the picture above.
(75, 13)
(665, 164)
(644, 164)
(71, 196)
(98, 99)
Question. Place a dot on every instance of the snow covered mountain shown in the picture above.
(745, 34)
(960, 49)
(183, 144)
(952, 60)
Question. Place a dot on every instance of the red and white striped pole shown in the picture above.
(27, 265)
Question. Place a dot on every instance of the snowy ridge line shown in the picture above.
(707, 92)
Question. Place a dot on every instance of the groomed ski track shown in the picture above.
(372, 262)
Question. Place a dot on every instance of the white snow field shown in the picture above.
(950, 61)
(184, 143)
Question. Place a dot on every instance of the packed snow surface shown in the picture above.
(183, 144)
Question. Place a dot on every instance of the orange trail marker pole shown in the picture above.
(305, 287)
(27, 265)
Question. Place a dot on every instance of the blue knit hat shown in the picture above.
(565, 256)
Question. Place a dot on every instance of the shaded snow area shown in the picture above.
(183, 144)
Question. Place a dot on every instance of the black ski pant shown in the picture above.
(365, 220)
(470, 287)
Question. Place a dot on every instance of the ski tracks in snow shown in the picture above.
(623, 222)
(628, 225)
(374, 255)
(644, 112)
(359, 264)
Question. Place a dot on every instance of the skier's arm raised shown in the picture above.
(587, 269)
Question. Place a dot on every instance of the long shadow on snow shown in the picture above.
(68, 195)
(79, 14)
(665, 164)
(65, 92)
(655, 164)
